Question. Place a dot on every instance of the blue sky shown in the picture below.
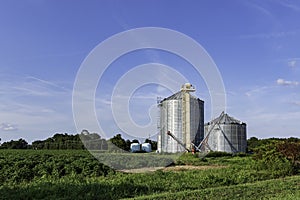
(255, 44)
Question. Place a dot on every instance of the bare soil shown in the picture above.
(172, 168)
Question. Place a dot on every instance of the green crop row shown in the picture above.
(76, 174)
(286, 188)
(18, 166)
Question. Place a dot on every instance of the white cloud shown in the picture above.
(283, 82)
(258, 90)
(161, 89)
(290, 6)
(297, 103)
(269, 110)
(292, 63)
(38, 107)
(269, 35)
(273, 124)
(259, 7)
(105, 102)
(45, 83)
(8, 127)
(16, 86)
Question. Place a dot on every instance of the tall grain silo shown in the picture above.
(225, 134)
(182, 114)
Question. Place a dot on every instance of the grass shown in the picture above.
(240, 179)
(140, 186)
(283, 188)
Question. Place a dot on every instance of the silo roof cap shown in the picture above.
(226, 119)
(177, 96)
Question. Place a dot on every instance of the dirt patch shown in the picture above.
(141, 170)
(172, 168)
(191, 167)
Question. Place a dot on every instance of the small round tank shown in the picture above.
(146, 147)
(134, 147)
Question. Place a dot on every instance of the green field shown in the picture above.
(283, 188)
(66, 174)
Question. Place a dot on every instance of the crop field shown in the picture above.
(76, 174)
(134, 160)
(283, 188)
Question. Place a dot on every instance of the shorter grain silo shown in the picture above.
(225, 134)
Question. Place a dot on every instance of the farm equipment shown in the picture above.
(177, 140)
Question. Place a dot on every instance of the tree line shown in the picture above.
(254, 143)
(93, 141)
(84, 140)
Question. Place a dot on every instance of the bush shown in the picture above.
(270, 157)
(241, 154)
(18, 166)
(215, 154)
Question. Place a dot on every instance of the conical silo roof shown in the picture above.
(226, 119)
(177, 96)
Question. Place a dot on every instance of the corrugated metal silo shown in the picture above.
(225, 134)
(183, 115)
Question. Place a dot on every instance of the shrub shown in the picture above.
(215, 154)
(269, 157)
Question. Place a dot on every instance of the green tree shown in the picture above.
(38, 144)
(128, 143)
(118, 141)
(291, 151)
(15, 144)
(269, 157)
(252, 143)
(135, 141)
(59, 141)
(153, 144)
(93, 141)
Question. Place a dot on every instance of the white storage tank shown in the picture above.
(225, 134)
(134, 147)
(146, 147)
